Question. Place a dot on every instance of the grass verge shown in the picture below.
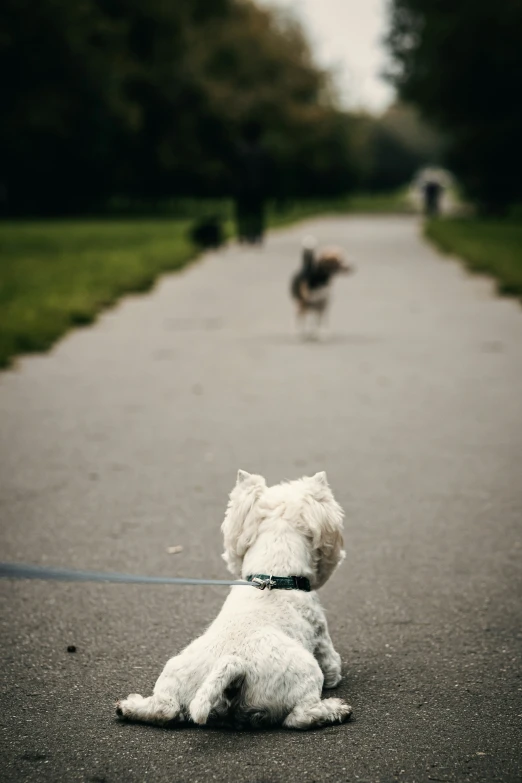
(487, 246)
(58, 274)
(364, 203)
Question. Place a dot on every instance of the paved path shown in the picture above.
(126, 439)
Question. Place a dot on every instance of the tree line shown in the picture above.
(105, 98)
(461, 63)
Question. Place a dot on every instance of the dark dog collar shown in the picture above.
(279, 582)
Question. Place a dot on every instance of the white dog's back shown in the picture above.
(254, 632)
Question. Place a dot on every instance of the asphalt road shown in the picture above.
(126, 439)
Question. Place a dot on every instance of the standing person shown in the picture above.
(252, 177)
(432, 194)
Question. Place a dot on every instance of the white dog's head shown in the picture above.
(290, 529)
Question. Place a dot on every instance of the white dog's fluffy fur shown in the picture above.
(267, 656)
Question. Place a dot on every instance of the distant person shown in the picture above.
(251, 181)
(432, 194)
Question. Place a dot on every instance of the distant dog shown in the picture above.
(310, 287)
(267, 656)
(207, 232)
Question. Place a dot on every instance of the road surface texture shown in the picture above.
(126, 440)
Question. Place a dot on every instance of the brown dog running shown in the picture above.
(311, 286)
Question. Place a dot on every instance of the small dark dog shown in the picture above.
(207, 232)
(310, 287)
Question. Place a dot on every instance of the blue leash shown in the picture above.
(22, 571)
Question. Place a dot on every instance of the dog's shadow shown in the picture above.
(324, 340)
(230, 728)
(217, 729)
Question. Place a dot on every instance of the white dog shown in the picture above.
(267, 656)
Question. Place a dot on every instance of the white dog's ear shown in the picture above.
(242, 519)
(324, 519)
(320, 478)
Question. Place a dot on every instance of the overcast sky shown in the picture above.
(347, 34)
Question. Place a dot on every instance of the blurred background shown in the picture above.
(113, 108)
(113, 105)
(135, 134)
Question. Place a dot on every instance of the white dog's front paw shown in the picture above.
(331, 666)
(332, 678)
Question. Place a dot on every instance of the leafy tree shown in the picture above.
(63, 106)
(390, 149)
(461, 64)
(122, 97)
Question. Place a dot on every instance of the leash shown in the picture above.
(23, 571)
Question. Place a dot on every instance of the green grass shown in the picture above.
(381, 203)
(487, 246)
(58, 274)
(359, 203)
